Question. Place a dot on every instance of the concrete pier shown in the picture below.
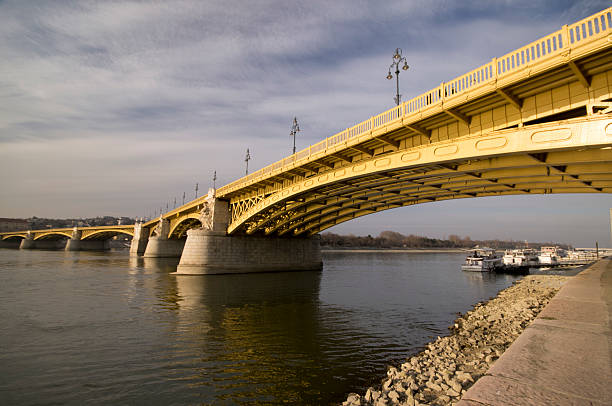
(139, 241)
(214, 252)
(158, 247)
(87, 245)
(76, 244)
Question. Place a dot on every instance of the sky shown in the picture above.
(119, 107)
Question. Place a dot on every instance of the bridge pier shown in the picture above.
(75, 243)
(160, 246)
(209, 252)
(164, 248)
(27, 243)
(87, 245)
(139, 241)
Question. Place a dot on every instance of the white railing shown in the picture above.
(567, 37)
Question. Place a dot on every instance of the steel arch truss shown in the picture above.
(573, 156)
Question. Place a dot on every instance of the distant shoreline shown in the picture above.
(397, 250)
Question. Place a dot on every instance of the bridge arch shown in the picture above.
(105, 234)
(52, 235)
(13, 237)
(179, 227)
(572, 156)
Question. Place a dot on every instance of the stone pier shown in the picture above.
(160, 246)
(139, 241)
(76, 244)
(87, 245)
(209, 250)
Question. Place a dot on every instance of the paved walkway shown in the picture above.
(564, 357)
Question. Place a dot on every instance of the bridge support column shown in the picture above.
(74, 242)
(139, 241)
(28, 242)
(160, 246)
(210, 252)
(164, 248)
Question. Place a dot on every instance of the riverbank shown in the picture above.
(450, 365)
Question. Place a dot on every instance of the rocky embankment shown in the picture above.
(443, 372)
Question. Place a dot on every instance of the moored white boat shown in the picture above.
(482, 260)
(521, 257)
(550, 255)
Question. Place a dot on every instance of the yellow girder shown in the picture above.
(52, 234)
(544, 158)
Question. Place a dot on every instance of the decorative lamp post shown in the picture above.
(295, 128)
(397, 60)
(247, 158)
(196, 190)
(215, 180)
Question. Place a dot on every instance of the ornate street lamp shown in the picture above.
(397, 60)
(295, 128)
(247, 158)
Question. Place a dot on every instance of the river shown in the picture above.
(103, 328)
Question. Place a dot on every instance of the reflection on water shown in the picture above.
(87, 327)
(257, 323)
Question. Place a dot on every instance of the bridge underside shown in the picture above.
(540, 159)
(105, 235)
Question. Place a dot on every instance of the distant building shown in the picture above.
(13, 225)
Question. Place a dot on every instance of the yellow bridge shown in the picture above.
(532, 121)
(536, 120)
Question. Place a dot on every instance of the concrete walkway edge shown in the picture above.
(564, 357)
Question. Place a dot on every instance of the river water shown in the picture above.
(103, 328)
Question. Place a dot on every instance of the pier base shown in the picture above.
(30, 244)
(210, 252)
(139, 241)
(163, 248)
(87, 245)
(138, 246)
